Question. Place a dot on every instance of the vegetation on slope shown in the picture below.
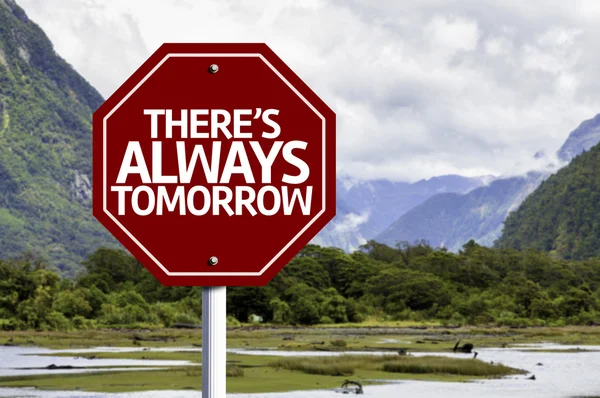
(562, 215)
(45, 149)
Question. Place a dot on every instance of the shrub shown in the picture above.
(457, 319)
(132, 298)
(430, 364)
(58, 322)
(165, 313)
(9, 326)
(329, 366)
(234, 371)
(232, 322)
(81, 323)
(338, 343)
(187, 318)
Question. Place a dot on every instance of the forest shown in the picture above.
(477, 286)
(561, 216)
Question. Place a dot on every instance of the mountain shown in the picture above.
(366, 208)
(562, 216)
(581, 139)
(450, 220)
(45, 160)
(344, 230)
(45, 149)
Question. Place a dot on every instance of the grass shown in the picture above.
(374, 322)
(255, 380)
(328, 366)
(310, 339)
(234, 371)
(348, 365)
(443, 365)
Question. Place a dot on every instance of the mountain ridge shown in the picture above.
(583, 138)
(450, 220)
(367, 207)
(45, 149)
(431, 220)
(561, 216)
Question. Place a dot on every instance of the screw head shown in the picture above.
(213, 260)
(214, 68)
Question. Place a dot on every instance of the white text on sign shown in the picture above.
(152, 197)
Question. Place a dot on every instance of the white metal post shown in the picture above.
(214, 341)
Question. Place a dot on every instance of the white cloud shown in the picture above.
(452, 34)
(500, 46)
(421, 88)
(349, 223)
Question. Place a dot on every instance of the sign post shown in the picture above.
(213, 341)
(214, 165)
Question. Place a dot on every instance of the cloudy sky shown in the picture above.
(420, 88)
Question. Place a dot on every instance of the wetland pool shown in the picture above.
(560, 371)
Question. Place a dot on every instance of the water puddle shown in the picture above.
(23, 361)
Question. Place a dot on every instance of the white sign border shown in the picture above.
(146, 251)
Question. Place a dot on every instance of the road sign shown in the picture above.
(214, 164)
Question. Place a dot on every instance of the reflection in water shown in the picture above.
(558, 375)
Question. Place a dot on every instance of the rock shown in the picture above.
(81, 187)
(55, 367)
(466, 348)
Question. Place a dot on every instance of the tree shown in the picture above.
(306, 311)
(309, 271)
(282, 313)
(245, 300)
(115, 267)
(71, 304)
(34, 310)
(334, 306)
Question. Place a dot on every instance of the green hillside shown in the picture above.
(563, 215)
(45, 148)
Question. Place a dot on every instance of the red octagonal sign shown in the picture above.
(214, 164)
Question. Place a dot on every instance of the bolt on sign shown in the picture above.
(214, 164)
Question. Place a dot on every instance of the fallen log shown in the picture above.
(186, 326)
(161, 339)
